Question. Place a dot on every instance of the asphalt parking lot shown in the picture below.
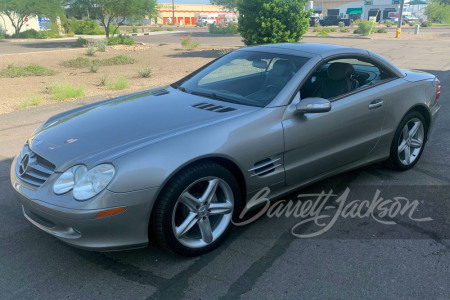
(355, 258)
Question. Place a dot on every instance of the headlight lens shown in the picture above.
(68, 179)
(85, 183)
(93, 182)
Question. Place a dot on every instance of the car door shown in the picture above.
(316, 143)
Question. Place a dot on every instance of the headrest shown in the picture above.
(340, 71)
(283, 67)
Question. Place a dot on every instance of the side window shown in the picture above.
(338, 77)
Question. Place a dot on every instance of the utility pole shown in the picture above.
(173, 11)
(400, 19)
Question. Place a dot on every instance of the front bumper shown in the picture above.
(79, 226)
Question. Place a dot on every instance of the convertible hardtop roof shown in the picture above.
(311, 49)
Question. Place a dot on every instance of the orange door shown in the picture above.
(187, 21)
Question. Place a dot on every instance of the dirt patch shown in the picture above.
(168, 62)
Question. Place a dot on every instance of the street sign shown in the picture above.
(368, 2)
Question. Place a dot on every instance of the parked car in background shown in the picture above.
(313, 21)
(334, 21)
(411, 19)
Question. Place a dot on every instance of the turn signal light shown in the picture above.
(110, 212)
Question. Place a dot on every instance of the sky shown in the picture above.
(186, 1)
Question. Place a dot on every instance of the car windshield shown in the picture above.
(244, 77)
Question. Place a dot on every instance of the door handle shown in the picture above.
(375, 104)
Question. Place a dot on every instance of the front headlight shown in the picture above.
(85, 183)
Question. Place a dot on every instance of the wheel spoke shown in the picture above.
(414, 129)
(187, 224)
(205, 229)
(190, 201)
(416, 143)
(408, 155)
(210, 191)
(402, 146)
(405, 132)
(220, 208)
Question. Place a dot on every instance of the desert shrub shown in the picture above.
(344, 30)
(135, 29)
(101, 45)
(341, 24)
(380, 30)
(426, 24)
(93, 68)
(81, 42)
(325, 32)
(145, 72)
(403, 22)
(159, 29)
(189, 43)
(332, 29)
(12, 71)
(121, 40)
(119, 84)
(63, 91)
(169, 29)
(28, 34)
(102, 80)
(317, 28)
(83, 62)
(91, 49)
(33, 100)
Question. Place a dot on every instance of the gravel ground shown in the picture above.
(168, 62)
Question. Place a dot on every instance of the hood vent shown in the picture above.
(265, 166)
(214, 108)
(159, 92)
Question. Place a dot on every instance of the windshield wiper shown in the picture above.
(214, 96)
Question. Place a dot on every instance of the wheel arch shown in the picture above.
(425, 112)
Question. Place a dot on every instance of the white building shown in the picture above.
(30, 23)
(366, 9)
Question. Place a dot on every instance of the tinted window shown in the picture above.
(338, 77)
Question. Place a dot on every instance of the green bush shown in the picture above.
(121, 40)
(332, 29)
(381, 30)
(91, 49)
(344, 30)
(403, 23)
(33, 100)
(87, 26)
(232, 28)
(145, 72)
(364, 27)
(12, 71)
(101, 46)
(275, 21)
(28, 34)
(2, 36)
(168, 29)
(135, 29)
(317, 28)
(341, 24)
(120, 84)
(159, 29)
(426, 24)
(83, 62)
(388, 23)
(63, 91)
(81, 42)
(43, 34)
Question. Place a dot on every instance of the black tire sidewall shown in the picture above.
(163, 210)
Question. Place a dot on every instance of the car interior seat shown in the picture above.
(340, 80)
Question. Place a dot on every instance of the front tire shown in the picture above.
(193, 213)
(409, 141)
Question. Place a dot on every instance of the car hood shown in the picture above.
(103, 131)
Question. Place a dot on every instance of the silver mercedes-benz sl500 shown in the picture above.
(179, 162)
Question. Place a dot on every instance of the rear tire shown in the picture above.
(409, 142)
(193, 213)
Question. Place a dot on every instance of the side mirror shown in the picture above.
(313, 105)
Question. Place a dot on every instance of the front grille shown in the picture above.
(33, 169)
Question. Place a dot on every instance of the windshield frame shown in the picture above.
(297, 60)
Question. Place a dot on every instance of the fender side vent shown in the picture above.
(265, 166)
(212, 107)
